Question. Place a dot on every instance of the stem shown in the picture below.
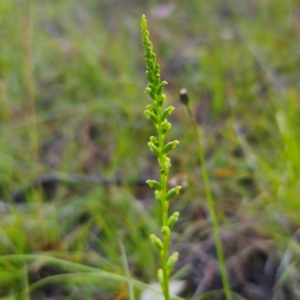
(212, 211)
(165, 208)
(165, 269)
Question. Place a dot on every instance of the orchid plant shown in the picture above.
(158, 115)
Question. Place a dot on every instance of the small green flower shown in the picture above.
(173, 192)
(170, 146)
(173, 219)
(154, 184)
(157, 242)
(172, 260)
(165, 230)
(160, 277)
(167, 112)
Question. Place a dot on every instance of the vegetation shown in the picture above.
(76, 214)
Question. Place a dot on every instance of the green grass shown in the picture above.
(72, 102)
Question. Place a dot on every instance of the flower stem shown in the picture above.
(211, 208)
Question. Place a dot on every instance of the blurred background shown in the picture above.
(73, 142)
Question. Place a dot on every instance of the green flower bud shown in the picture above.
(160, 277)
(172, 260)
(165, 230)
(152, 109)
(149, 60)
(171, 145)
(147, 89)
(164, 168)
(158, 197)
(161, 99)
(166, 126)
(161, 87)
(157, 242)
(153, 148)
(173, 192)
(157, 68)
(157, 193)
(154, 140)
(151, 115)
(149, 108)
(173, 219)
(149, 75)
(154, 184)
(167, 112)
